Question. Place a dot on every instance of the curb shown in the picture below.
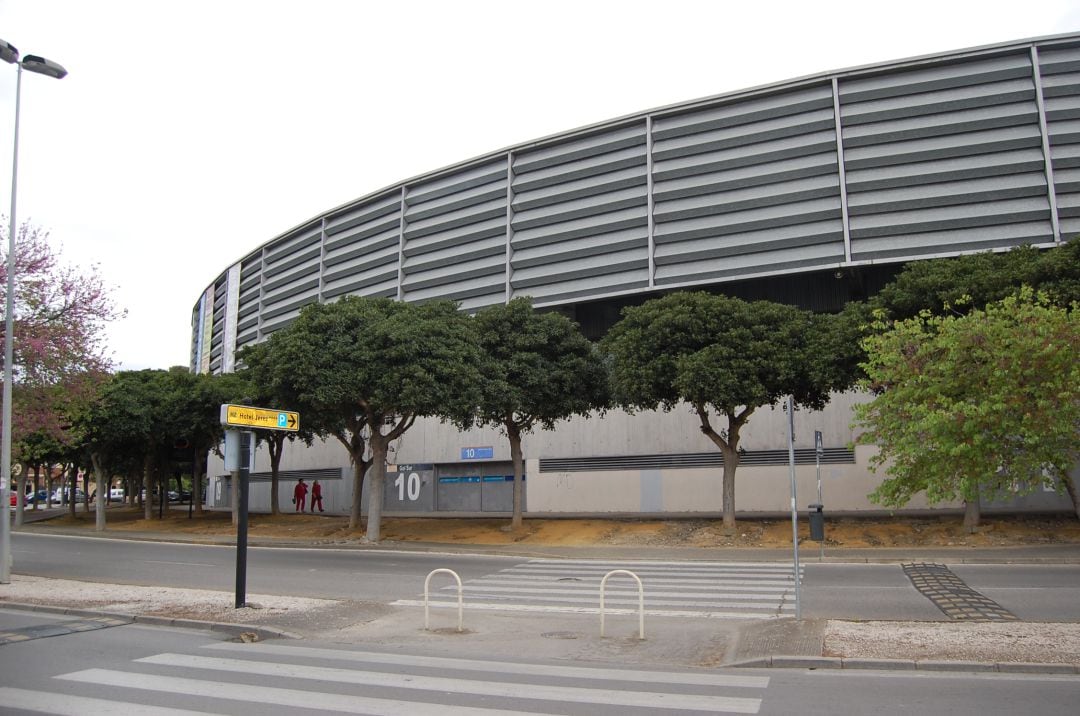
(834, 662)
(232, 629)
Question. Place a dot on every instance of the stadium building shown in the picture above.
(812, 191)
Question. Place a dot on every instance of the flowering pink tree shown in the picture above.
(60, 312)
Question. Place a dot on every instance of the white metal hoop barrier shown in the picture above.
(641, 600)
(460, 598)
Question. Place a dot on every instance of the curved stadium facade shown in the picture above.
(812, 191)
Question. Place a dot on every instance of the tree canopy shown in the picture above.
(974, 280)
(539, 369)
(974, 405)
(720, 355)
(368, 367)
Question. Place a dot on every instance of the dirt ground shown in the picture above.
(934, 531)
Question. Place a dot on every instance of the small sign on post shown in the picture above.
(239, 454)
(245, 416)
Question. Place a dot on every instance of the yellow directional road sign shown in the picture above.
(266, 418)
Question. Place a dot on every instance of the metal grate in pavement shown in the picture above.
(953, 596)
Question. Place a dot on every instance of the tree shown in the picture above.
(974, 405)
(267, 387)
(59, 311)
(721, 355)
(366, 368)
(540, 369)
(972, 281)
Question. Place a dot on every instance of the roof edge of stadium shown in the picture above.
(690, 105)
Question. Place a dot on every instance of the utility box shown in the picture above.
(817, 522)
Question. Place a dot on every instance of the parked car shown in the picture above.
(181, 496)
(30, 497)
(61, 495)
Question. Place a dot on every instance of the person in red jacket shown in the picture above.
(316, 496)
(300, 494)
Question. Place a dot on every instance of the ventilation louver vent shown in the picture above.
(831, 456)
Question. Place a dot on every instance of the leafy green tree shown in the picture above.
(974, 405)
(974, 280)
(268, 387)
(191, 412)
(365, 369)
(540, 369)
(722, 356)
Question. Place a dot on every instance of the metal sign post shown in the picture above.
(794, 510)
(238, 459)
(819, 448)
(238, 462)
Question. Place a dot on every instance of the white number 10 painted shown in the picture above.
(413, 487)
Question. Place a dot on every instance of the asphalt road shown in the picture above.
(1048, 592)
(149, 670)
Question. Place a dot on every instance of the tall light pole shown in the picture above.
(41, 66)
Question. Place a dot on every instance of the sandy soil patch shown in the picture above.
(776, 533)
(979, 641)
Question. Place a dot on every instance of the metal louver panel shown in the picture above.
(747, 186)
(943, 159)
(455, 236)
(753, 458)
(1060, 70)
(579, 217)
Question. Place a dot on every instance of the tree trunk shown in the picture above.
(971, 515)
(1070, 487)
(100, 489)
(359, 468)
(514, 434)
(379, 444)
(148, 488)
(729, 448)
(73, 484)
(198, 469)
(37, 481)
(731, 464)
(20, 492)
(275, 445)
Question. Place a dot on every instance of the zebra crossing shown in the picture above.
(271, 678)
(720, 590)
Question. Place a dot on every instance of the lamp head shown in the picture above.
(8, 53)
(38, 64)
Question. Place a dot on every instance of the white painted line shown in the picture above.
(512, 587)
(271, 695)
(654, 563)
(67, 705)
(502, 667)
(655, 571)
(186, 564)
(594, 579)
(499, 689)
(595, 610)
(769, 603)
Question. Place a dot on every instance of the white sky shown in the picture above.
(190, 132)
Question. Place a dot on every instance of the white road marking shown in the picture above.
(499, 689)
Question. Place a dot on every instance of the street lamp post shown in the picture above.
(41, 66)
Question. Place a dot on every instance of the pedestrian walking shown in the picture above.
(316, 496)
(300, 494)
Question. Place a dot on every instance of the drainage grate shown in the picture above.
(953, 596)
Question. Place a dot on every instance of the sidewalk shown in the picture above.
(785, 642)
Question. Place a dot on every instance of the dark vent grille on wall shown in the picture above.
(326, 473)
(806, 456)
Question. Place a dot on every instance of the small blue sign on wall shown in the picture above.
(477, 453)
